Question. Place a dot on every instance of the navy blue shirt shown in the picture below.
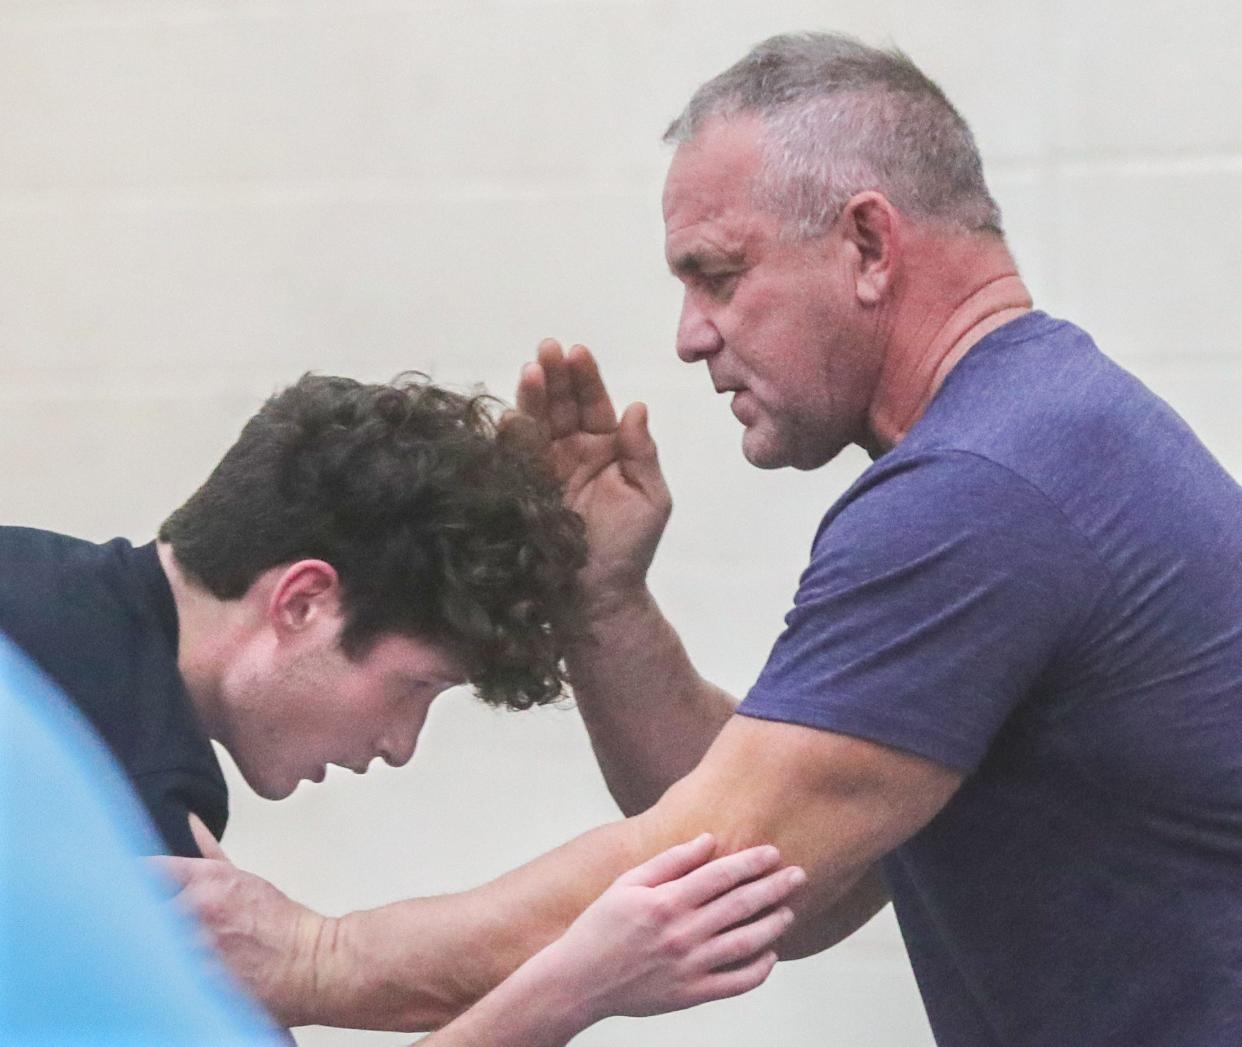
(100, 620)
(1041, 587)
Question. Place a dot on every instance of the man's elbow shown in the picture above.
(686, 810)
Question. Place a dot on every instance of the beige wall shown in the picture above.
(200, 200)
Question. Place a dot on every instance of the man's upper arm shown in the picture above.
(832, 803)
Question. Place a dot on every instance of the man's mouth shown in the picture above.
(742, 406)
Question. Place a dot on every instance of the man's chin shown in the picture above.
(767, 451)
(763, 452)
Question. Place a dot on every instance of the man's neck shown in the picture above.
(960, 290)
(203, 634)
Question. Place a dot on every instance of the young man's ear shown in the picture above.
(872, 226)
(306, 594)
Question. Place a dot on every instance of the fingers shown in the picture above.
(177, 871)
(595, 411)
(208, 846)
(723, 984)
(564, 391)
(670, 864)
(561, 410)
(521, 431)
(185, 871)
(532, 393)
(715, 878)
(634, 434)
(637, 457)
(536, 389)
(747, 900)
(743, 942)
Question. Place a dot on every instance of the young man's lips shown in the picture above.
(358, 767)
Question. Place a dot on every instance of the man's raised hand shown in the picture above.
(609, 468)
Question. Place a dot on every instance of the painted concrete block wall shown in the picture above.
(201, 199)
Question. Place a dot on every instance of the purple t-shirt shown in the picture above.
(1041, 587)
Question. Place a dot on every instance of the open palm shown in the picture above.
(609, 467)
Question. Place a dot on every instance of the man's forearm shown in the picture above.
(418, 964)
(650, 715)
(832, 804)
(415, 965)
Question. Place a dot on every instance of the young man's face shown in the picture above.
(304, 705)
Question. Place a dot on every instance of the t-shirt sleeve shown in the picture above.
(937, 596)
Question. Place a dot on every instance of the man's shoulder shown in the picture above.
(99, 620)
(927, 494)
(82, 611)
(1053, 408)
(1036, 391)
(34, 552)
(53, 579)
(34, 545)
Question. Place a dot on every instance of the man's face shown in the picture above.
(775, 319)
(298, 706)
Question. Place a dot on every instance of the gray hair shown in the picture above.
(839, 118)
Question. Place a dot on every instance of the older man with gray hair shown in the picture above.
(1009, 692)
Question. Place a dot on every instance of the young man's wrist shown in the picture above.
(555, 997)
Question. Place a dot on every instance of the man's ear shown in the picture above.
(307, 594)
(872, 227)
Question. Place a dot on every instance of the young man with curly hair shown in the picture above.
(358, 550)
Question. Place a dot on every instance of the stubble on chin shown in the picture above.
(761, 450)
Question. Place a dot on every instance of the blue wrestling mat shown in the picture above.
(91, 950)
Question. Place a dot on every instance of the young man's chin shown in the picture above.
(270, 787)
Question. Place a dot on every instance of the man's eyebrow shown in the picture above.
(695, 263)
(688, 264)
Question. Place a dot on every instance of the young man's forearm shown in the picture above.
(417, 964)
(526, 1010)
(650, 715)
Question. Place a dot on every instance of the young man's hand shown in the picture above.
(676, 931)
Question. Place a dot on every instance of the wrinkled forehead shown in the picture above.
(715, 172)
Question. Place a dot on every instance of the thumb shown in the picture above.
(639, 463)
(207, 843)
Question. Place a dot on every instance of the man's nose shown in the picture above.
(697, 337)
(398, 748)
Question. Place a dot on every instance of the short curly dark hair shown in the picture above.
(440, 524)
